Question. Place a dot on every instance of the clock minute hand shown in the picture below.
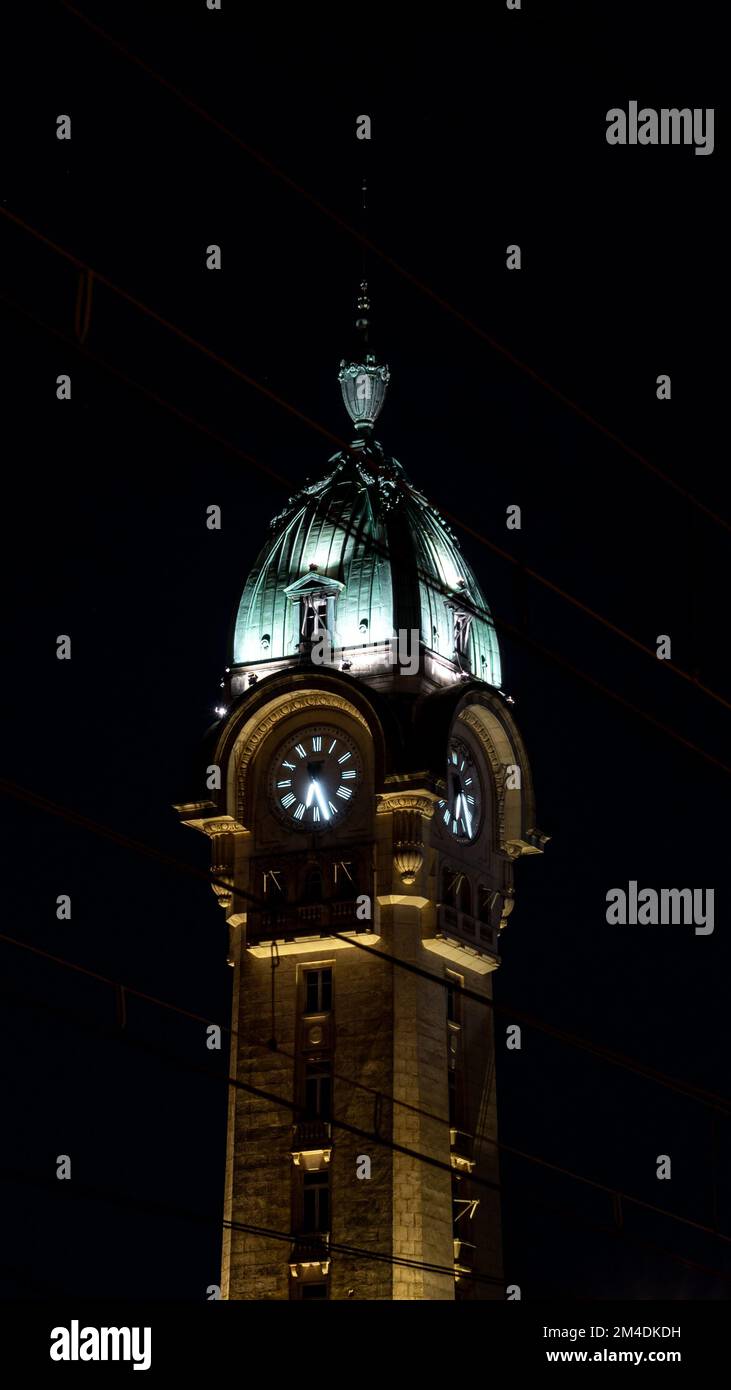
(320, 798)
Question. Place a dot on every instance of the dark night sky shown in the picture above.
(486, 131)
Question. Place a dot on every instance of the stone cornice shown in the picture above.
(387, 803)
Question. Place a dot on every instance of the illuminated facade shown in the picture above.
(375, 794)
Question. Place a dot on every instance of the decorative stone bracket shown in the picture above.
(222, 831)
(409, 813)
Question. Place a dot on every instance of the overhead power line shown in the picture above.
(90, 1192)
(707, 1098)
(372, 1137)
(394, 265)
(346, 447)
(503, 626)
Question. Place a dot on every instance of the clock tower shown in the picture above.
(368, 794)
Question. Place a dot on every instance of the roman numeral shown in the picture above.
(349, 773)
(291, 766)
(315, 812)
(298, 814)
(286, 783)
(334, 809)
(332, 745)
(447, 815)
(345, 793)
(317, 744)
(344, 757)
(288, 799)
(299, 749)
(471, 799)
(468, 781)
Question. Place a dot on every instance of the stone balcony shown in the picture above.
(461, 1150)
(309, 1257)
(464, 939)
(311, 1145)
(289, 923)
(464, 1258)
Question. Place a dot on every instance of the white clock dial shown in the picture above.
(461, 809)
(314, 778)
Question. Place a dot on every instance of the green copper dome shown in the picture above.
(362, 554)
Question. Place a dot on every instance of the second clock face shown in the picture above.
(461, 810)
(314, 778)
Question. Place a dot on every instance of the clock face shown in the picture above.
(314, 778)
(461, 810)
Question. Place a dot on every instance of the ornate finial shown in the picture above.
(363, 379)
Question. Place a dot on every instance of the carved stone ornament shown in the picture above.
(408, 859)
(408, 844)
(507, 907)
(222, 827)
(223, 850)
(391, 802)
(224, 891)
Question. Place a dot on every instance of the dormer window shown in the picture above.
(462, 609)
(462, 623)
(314, 597)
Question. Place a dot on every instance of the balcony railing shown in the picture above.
(299, 919)
(468, 929)
(311, 1146)
(309, 1256)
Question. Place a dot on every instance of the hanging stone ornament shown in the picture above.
(408, 844)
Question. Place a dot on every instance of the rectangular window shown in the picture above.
(452, 1088)
(454, 998)
(318, 991)
(315, 1203)
(318, 1090)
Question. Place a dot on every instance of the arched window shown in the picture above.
(463, 612)
(450, 880)
(484, 903)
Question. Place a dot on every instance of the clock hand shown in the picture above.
(309, 793)
(321, 799)
(468, 818)
(456, 807)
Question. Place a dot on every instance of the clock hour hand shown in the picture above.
(315, 789)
